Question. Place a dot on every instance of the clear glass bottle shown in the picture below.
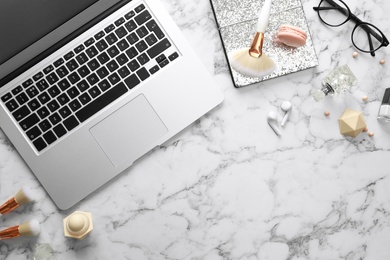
(384, 110)
(338, 81)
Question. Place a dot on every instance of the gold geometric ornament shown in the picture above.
(351, 123)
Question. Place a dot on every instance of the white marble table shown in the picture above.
(227, 187)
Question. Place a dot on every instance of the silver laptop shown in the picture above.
(88, 87)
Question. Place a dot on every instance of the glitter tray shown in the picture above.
(236, 21)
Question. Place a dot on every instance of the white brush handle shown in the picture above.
(262, 23)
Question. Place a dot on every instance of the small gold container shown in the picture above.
(78, 225)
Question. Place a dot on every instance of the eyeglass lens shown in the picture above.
(333, 12)
(364, 35)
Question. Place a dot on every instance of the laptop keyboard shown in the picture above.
(81, 83)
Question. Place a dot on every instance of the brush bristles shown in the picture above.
(31, 228)
(23, 196)
(249, 66)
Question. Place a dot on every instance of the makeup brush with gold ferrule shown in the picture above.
(31, 228)
(23, 196)
(253, 62)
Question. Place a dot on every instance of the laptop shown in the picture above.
(88, 87)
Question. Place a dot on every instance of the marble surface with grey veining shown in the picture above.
(227, 187)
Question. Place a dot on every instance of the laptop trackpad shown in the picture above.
(125, 134)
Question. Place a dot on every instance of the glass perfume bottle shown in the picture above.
(338, 81)
(384, 110)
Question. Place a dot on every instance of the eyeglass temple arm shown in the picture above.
(352, 17)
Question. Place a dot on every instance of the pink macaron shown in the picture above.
(291, 36)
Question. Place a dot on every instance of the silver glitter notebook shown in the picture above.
(237, 23)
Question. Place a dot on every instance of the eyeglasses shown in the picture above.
(365, 36)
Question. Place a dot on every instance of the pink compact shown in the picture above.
(291, 36)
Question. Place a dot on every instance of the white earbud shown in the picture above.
(286, 107)
(272, 119)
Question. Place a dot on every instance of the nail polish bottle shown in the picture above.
(384, 110)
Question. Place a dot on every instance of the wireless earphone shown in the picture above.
(272, 120)
(286, 107)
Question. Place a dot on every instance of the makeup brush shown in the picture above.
(30, 228)
(253, 62)
(22, 197)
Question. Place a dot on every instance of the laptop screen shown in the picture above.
(23, 22)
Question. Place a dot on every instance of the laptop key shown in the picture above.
(44, 125)
(111, 38)
(143, 74)
(109, 28)
(58, 62)
(52, 78)
(119, 21)
(72, 65)
(79, 49)
(48, 69)
(82, 58)
(62, 72)
(64, 112)
(43, 112)
(131, 25)
(12, 105)
(173, 56)
(93, 65)
(140, 8)
(6, 97)
(101, 102)
(21, 113)
(114, 78)
(102, 72)
(42, 85)
(49, 137)
(33, 104)
(141, 46)
(103, 58)
(32, 92)
(69, 55)
(33, 133)
(123, 45)
(63, 84)
(59, 130)
(39, 144)
(121, 32)
(129, 15)
(92, 52)
(104, 85)
(73, 78)
(55, 118)
(99, 35)
(132, 38)
(38, 76)
(153, 27)
(27, 83)
(101, 45)
(74, 105)
(84, 98)
(44, 98)
(132, 81)
(17, 90)
(143, 17)
(158, 48)
(22, 98)
(154, 69)
(94, 92)
(89, 42)
(29, 121)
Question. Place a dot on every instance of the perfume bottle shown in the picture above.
(338, 81)
(384, 110)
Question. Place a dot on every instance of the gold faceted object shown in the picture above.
(351, 123)
(78, 224)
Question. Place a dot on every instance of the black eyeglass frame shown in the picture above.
(364, 25)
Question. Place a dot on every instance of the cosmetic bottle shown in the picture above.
(338, 81)
(384, 110)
